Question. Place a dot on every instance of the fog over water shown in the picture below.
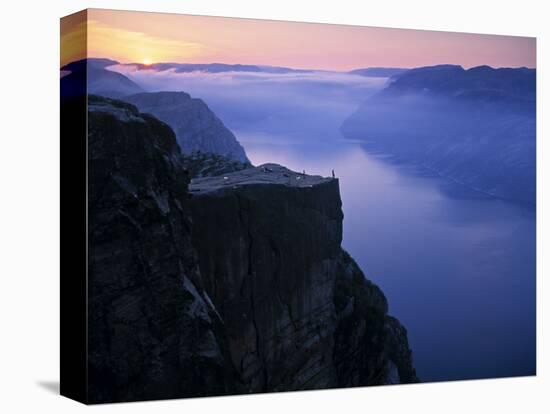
(458, 268)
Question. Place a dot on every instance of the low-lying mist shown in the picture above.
(290, 106)
(463, 124)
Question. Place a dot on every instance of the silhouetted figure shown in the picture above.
(333, 176)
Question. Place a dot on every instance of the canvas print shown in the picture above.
(267, 206)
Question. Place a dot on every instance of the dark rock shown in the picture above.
(298, 311)
(153, 333)
(371, 347)
(241, 287)
(203, 164)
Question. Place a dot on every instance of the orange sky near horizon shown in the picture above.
(142, 37)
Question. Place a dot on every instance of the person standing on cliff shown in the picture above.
(333, 176)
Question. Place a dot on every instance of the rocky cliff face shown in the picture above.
(153, 332)
(202, 164)
(298, 311)
(235, 285)
(476, 127)
(197, 128)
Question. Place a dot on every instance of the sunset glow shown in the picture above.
(141, 37)
(73, 37)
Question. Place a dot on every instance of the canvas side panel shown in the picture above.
(73, 370)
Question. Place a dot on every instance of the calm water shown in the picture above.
(459, 272)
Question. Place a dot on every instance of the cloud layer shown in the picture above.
(268, 103)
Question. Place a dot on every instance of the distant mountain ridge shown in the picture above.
(382, 72)
(475, 126)
(480, 82)
(378, 72)
(215, 68)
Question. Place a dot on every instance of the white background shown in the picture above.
(29, 205)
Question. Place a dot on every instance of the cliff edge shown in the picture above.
(237, 284)
(197, 128)
(152, 330)
(298, 311)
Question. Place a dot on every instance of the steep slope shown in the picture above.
(197, 128)
(240, 287)
(153, 332)
(99, 80)
(475, 126)
(202, 164)
(298, 311)
(480, 82)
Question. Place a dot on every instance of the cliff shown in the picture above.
(235, 285)
(298, 311)
(196, 127)
(476, 126)
(153, 332)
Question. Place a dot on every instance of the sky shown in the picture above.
(140, 37)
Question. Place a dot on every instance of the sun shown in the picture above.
(146, 61)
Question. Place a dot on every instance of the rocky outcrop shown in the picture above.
(237, 284)
(153, 331)
(371, 347)
(298, 311)
(203, 164)
(197, 128)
